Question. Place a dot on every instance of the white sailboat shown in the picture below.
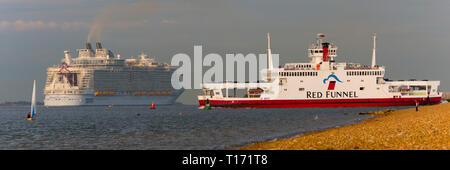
(32, 113)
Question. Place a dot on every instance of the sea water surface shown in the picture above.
(164, 128)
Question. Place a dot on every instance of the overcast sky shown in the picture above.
(413, 35)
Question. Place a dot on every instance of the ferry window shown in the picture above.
(316, 51)
(362, 80)
(301, 89)
(361, 88)
(320, 51)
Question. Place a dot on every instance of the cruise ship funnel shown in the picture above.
(98, 45)
(88, 46)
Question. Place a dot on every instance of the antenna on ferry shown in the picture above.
(269, 63)
(374, 49)
(269, 53)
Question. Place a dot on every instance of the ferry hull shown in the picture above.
(294, 103)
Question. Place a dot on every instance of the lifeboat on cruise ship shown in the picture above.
(405, 90)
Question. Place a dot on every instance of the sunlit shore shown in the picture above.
(426, 129)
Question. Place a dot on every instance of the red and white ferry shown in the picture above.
(322, 83)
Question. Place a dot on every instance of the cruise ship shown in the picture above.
(98, 77)
(322, 82)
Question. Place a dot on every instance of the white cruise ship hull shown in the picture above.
(92, 100)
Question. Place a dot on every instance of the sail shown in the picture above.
(33, 100)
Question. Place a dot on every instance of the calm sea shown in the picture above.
(166, 127)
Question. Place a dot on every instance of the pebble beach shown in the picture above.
(406, 129)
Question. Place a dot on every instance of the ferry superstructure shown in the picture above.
(100, 78)
(322, 83)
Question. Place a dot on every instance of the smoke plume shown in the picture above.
(120, 15)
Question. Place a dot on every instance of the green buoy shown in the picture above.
(207, 107)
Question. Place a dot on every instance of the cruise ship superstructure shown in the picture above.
(97, 77)
(321, 83)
